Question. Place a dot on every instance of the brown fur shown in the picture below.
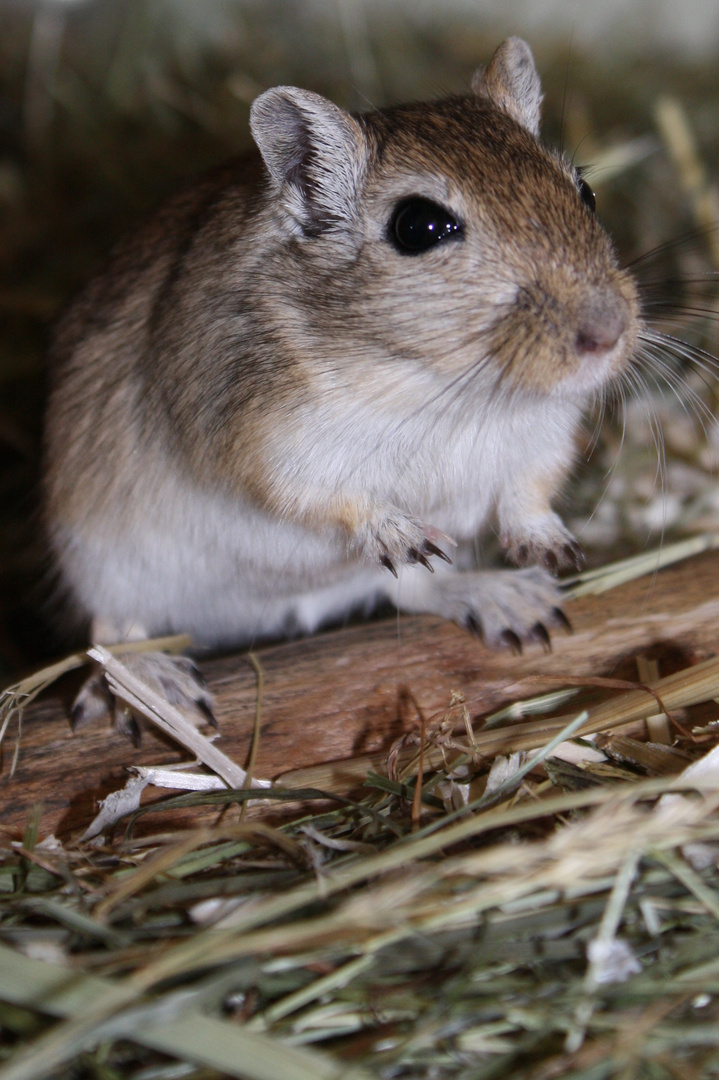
(260, 358)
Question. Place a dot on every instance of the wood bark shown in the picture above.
(341, 695)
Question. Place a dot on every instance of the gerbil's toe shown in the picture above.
(415, 556)
(424, 552)
(520, 555)
(93, 703)
(544, 542)
(569, 557)
(550, 560)
(540, 633)
(573, 557)
(96, 704)
(560, 619)
(512, 641)
(431, 549)
(126, 723)
(388, 564)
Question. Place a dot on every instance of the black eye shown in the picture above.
(585, 193)
(419, 224)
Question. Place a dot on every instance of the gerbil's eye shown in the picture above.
(585, 193)
(419, 224)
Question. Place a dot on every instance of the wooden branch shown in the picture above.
(339, 695)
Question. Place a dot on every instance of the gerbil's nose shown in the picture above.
(600, 324)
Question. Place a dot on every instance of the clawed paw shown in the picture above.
(416, 555)
(175, 678)
(537, 633)
(399, 540)
(507, 609)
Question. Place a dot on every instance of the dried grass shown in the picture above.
(531, 895)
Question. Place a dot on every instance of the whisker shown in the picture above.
(665, 282)
(688, 398)
(675, 244)
(616, 395)
(451, 392)
(698, 357)
(639, 379)
(675, 314)
(598, 425)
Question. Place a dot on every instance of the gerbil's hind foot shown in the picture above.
(505, 608)
(175, 678)
(512, 608)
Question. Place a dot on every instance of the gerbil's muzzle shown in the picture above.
(600, 323)
(569, 336)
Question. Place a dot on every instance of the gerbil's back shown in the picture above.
(101, 410)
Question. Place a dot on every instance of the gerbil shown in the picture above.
(321, 362)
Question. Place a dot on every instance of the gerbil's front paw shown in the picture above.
(545, 542)
(176, 678)
(396, 539)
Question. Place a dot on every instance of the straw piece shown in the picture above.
(168, 718)
(676, 130)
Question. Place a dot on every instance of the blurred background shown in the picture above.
(105, 105)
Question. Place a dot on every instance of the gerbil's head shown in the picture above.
(444, 241)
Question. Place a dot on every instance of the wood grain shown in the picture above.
(339, 695)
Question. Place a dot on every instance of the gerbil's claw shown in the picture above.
(521, 555)
(126, 724)
(550, 560)
(473, 625)
(93, 703)
(561, 620)
(512, 641)
(188, 665)
(77, 717)
(432, 549)
(573, 558)
(206, 711)
(415, 556)
(539, 633)
(388, 564)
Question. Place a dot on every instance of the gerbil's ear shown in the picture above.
(315, 153)
(512, 83)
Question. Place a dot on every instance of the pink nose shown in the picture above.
(600, 325)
